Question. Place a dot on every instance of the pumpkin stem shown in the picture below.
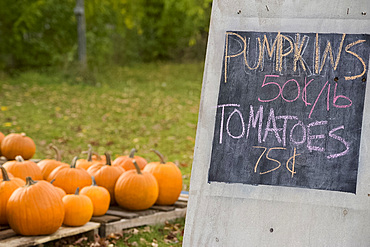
(159, 155)
(58, 156)
(97, 155)
(93, 181)
(108, 158)
(19, 158)
(29, 181)
(52, 181)
(132, 153)
(5, 174)
(23, 134)
(73, 164)
(89, 154)
(77, 191)
(137, 167)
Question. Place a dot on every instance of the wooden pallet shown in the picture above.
(9, 238)
(113, 221)
(117, 218)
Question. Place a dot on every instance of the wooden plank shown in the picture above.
(162, 208)
(180, 204)
(134, 213)
(105, 218)
(4, 227)
(122, 213)
(146, 212)
(153, 219)
(7, 234)
(61, 233)
(183, 197)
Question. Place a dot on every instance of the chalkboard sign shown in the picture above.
(290, 110)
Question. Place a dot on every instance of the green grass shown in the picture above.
(114, 109)
(169, 234)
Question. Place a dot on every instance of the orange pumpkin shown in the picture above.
(7, 187)
(78, 209)
(136, 189)
(98, 158)
(106, 175)
(169, 180)
(18, 144)
(126, 162)
(1, 139)
(69, 178)
(21, 168)
(99, 197)
(9, 175)
(35, 209)
(48, 165)
(60, 191)
(85, 163)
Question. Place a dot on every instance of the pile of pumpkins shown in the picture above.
(37, 198)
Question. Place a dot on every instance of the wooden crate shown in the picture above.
(117, 218)
(9, 238)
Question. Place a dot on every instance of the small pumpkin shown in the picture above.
(106, 175)
(126, 162)
(35, 209)
(136, 189)
(7, 187)
(18, 144)
(169, 180)
(60, 191)
(78, 209)
(69, 178)
(86, 163)
(99, 197)
(48, 165)
(21, 168)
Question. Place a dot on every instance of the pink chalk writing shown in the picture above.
(318, 96)
(304, 91)
(264, 84)
(278, 91)
(313, 137)
(298, 91)
(304, 135)
(336, 97)
(339, 138)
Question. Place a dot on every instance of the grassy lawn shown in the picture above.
(114, 109)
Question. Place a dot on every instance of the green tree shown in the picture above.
(43, 32)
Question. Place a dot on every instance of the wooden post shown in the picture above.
(81, 30)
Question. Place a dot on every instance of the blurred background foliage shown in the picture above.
(43, 33)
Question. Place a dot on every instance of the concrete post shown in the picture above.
(79, 11)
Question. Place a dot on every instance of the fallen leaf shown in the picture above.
(135, 231)
(143, 241)
(147, 229)
(80, 240)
